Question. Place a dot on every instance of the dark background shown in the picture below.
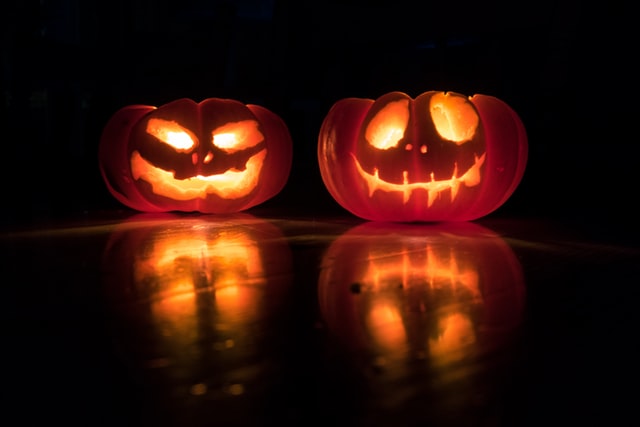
(565, 66)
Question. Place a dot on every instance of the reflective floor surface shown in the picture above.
(249, 320)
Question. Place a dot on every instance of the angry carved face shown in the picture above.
(189, 152)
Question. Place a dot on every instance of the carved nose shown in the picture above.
(423, 148)
(207, 158)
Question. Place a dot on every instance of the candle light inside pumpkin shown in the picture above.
(216, 156)
(438, 157)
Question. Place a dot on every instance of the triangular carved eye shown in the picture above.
(454, 117)
(172, 134)
(237, 136)
(387, 127)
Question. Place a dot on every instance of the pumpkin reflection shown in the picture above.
(190, 292)
(228, 267)
(442, 294)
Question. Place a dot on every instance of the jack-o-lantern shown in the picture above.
(438, 157)
(196, 300)
(430, 294)
(216, 156)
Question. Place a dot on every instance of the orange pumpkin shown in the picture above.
(438, 157)
(216, 156)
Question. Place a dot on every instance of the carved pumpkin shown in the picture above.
(438, 157)
(216, 156)
(197, 297)
(437, 293)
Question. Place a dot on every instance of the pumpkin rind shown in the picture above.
(415, 173)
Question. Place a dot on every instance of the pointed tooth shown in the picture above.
(406, 194)
(454, 190)
(472, 177)
(373, 183)
(432, 197)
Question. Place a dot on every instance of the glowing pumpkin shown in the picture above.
(437, 293)
(438, 157)
(216, 156)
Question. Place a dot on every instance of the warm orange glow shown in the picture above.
(437, 282)
(455, 336)
(231, 184)
(420, 266)
(237, 136)
(454, 117)
(240, 254)
(198, 291)
(387, 128)
(422, 300)
(225, 268)
(221, 261)
(171, 133)
(439, 270)
(170, 268)
(470, 178)
(239, 269)
(236, 303)
(385, 324)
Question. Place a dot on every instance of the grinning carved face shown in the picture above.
(434, 145)
(189, 156)
(441, 156)
(216, 156)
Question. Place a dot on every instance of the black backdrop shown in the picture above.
(565, 66)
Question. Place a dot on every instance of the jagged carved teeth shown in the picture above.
(434, 187)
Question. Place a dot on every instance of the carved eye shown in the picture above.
(237, 136)
(454, 117)
(387, 128)
(172, 134)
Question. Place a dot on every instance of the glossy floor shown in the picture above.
(189, 320)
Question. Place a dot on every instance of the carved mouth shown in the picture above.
(231, 184)
(434, 187)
